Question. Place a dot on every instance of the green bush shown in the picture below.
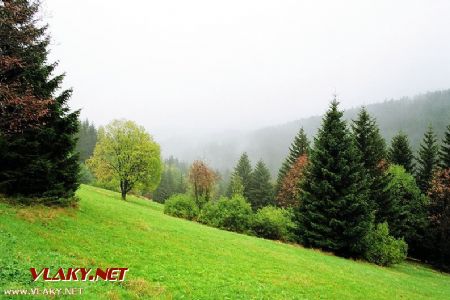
(383, 249)
(274, 223)
(85, 176)
(233, 214)
(182, 206)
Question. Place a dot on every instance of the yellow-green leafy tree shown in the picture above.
(126, 156)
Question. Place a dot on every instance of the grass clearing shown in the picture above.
(171, 258)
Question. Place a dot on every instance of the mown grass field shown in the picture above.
(171, 258)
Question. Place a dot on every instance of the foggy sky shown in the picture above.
(181, 66)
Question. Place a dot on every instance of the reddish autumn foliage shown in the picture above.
(20, 106)
(289, 193)
(439, 194)
(202, 179)
(439, 217)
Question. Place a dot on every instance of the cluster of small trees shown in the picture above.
(248, 206)
(254, 184)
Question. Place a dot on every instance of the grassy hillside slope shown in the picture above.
(171, 258)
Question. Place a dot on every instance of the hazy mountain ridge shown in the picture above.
(409, 114)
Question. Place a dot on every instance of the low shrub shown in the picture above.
(85, 176)
(274, 223)
(233, 214)
(182, 206)
(383, 249)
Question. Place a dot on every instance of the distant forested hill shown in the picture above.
(412, 115)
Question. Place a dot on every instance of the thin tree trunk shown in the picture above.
(123, 189)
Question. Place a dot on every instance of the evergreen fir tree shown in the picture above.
(299, 146)
(428, 160)
(334, 213)
(39, 161)
(243, 169)
(444, 152)
(261, 190)
(369, 141)
(372, 148)
(400, 152)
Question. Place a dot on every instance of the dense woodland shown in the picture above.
(353, 187)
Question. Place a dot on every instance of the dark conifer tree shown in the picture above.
(334, 213)
(400, 152)
(243, 169)
(39, 161)
(444, 153)
(427, 160)
(369, 141)
(261, 190)
(372, 150)
(299, 146)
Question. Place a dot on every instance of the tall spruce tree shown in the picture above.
(372, 148)
(334, 213)
(243, 169)
(369, 141)
(444, 153)
(427, 160)
(299, 146)
(400, 152)
(39, 161)
(261, 190)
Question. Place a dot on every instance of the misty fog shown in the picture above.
(195, 68)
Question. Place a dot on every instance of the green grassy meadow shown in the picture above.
(171, 258)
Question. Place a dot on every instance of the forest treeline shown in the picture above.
(412, 115)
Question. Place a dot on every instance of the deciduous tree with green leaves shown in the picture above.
(405, 207)
(236, 187)
(126, 155)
